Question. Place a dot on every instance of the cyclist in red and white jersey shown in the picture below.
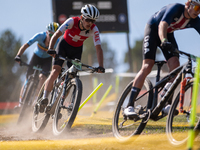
(76, 30)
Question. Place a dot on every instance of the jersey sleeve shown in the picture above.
(37, 37)
(68, 24)
(96, 37)
(171, 12)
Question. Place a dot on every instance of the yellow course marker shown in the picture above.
(95, 82)
(102, 99)
(87, 99)
(194, 103)
(117, 84)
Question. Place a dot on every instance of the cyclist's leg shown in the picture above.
(172, 62)
(172, 58)
(149, 50)
(46, 65)
(56, 69)
(50, 80)
(139, 79)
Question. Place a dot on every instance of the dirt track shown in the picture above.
(89, 132)
(95, 136)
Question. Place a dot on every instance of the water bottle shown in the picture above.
(165, 89)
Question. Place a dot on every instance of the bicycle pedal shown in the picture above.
(61, 106)
(135, 118)
(47, 109)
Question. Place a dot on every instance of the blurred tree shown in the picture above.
(137, 56)
(10, 71)
(89, 54)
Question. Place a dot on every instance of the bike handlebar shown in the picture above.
(192, 57)
(23, 63)
(79, 65)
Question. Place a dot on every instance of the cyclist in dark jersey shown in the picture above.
(76, 30)
(40, 57)
(159, 32)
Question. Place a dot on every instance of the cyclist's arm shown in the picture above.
(171, 11)
(22, 49)
(97, 43)
(54, 38)
(162, 30)
(99, 55)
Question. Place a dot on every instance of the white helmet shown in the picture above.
(196, 1)
(90, 11)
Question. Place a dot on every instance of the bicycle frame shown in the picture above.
(34, 78)
(65, 77)
(180, 74)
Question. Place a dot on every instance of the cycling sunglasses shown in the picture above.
(196, 7)
(89, 20)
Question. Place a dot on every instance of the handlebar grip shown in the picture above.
(101, 69)
(51, 52)
(23, 63)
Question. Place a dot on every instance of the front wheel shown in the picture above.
(26, 107)
(178, 125)
(39, 119)
(122, 127)
(66, 111)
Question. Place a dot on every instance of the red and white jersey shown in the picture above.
(74, 36)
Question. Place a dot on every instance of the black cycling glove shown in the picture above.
(101, 69)
(167, 46)
(51, 52)
(18, 58)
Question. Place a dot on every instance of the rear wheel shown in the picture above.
(123, 128)
(65, 113)
(178, 125)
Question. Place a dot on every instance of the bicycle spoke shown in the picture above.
(178, 125)
(124, 127)
(67, 108)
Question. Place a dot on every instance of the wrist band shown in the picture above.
(163, 40)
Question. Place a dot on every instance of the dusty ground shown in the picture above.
(88, 133)
(9, 131)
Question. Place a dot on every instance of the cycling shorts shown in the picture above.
(152, 41)
(44, 63)
(65, 50)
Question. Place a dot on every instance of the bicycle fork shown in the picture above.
(66, 83)
(182, 93)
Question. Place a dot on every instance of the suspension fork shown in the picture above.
(182, 93)
(67, 79)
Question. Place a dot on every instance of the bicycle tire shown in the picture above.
(123, 132)
(177, 125)
(26, 107)
(64, 116)
(39, 119)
